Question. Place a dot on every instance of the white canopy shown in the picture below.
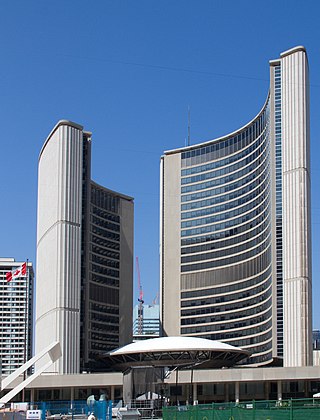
(172, 344)
(198, 353)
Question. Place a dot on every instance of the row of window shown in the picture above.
(230, 302)
(227, 233)
(104, 336)
(228, 214)
(226, 290)
(99, 307)
(104, 328)
(99, 320)
(247, 342)
(105, 215)
(227, 252)
(263, 348)
(263, 321)
(105, 242)
(106, 295)
(104, 270)
(229, 205)
(104, 199)
(104, 261)
(102, 347)
(227, 242)
(107, 281)
(245, 160)
(258, 359)
(226, 179)
(105, 252)
(17, 284)
(221, 148)
(227, 261)
(16, 331)
(229, 223)
(105, 224)
(15, 317)
(227, 274)
(223, 198)
(264, 169)
(104, 233)
(229, 314)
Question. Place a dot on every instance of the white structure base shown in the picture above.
(53, 352)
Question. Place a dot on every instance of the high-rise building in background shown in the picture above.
(16, 315)
(84, 255)
(148, 324)
(316, 339)
(235, 229)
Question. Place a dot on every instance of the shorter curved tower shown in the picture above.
(84, 255)
(235, 229)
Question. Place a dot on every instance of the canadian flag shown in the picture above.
(18, 272)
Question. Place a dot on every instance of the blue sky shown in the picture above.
(128, 71)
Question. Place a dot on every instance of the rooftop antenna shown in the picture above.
(188, 125)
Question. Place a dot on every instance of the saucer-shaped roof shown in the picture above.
(176, 352)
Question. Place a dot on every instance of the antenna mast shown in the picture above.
(188, 125)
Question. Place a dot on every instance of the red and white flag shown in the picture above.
(18, 272)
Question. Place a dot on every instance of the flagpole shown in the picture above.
(26, 313)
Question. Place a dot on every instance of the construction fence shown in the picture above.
(249, 410)
(60, 410)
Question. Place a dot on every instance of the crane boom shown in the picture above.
(140, 300)
(139, 282)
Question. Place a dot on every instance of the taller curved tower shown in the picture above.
(235, 229)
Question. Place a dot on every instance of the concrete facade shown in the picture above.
(200, 385)
(235, 229)
(84, 255)
(59, 245)
(297, 269)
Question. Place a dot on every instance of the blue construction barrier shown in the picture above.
(75, 410)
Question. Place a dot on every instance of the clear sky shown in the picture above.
(128, 71)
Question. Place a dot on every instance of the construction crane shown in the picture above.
(140, 300)
(156, 299)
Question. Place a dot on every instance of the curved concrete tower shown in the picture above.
(235, 229)
(84, 255)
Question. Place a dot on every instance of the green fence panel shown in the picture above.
(306, 413)
(248, 410)
(223, 413)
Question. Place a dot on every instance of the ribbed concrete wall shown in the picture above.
(170, 240)
(296, 210)
(126, 271)
(59, 245)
